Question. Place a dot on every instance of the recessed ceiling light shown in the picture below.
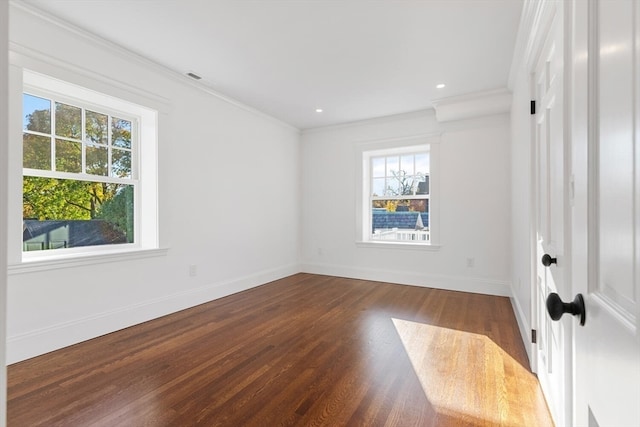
(318, 110)
(440, 86)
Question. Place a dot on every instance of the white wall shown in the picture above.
(474, 209)
(229, 198)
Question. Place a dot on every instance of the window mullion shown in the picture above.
(77, 176)
(53, 134)
(386, 178)
(83, 135)
(370, 177)
(109, 136)
(133, 148)
(36, 133)
(407, 197)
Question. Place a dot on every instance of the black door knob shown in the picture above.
(547, 260)
(556, 307)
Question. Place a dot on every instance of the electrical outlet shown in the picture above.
(471, 262)
(193, 270)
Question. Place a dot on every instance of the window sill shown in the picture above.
(79, 260)
(399, 246)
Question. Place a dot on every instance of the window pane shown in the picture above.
(423, 185)
(378, 187)
(36, 151)
(96, 127)
(60, 213)
(393, 165)
(121, 132)
(422, 163)
(68, 121)
(393, 186)
(406, 164)
(97, 160)
(397, 214)
(68, 156)
(36, 113)
(377, 167)
(402, 184)
(121, 163)
(400, 220)
(411, 184)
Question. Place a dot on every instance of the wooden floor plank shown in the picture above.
(306, 350)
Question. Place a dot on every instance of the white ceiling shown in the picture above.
(355, 59)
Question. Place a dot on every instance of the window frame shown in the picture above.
(364, 213)
(143, 162)
(400, 154)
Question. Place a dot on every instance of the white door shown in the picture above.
(552, 337)
(606, 215)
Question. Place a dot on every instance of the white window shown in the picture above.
(85, 184)
(397, 195)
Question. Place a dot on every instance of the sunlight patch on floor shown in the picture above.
(467, 377)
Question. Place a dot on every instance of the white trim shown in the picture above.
(430, 112)
(400, 143)
(478, 285)
(363, 152)
(372, 244)
(128, 55)
(531, 10)
(32, 59)
(473, 105)
(522, 38)
(544, 13)
(144, 161)
(57, 261)
(4, 199)
(525, 328)
(534, 25)
(43, 340)
(77, 176)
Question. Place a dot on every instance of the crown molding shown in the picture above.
(426, 113)
(129, 55)
(473, 105)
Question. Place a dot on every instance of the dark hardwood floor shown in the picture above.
(306, 350)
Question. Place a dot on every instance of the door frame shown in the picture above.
(541, 27)
(4, 197)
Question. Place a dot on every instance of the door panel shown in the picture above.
(550, 221)
(607, 212)
(615, 144)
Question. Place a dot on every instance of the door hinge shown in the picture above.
(534, 336)
(533, 106)
(572, 190)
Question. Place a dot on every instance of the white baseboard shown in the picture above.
(478, 285)
(44, 340)
(524, 326)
